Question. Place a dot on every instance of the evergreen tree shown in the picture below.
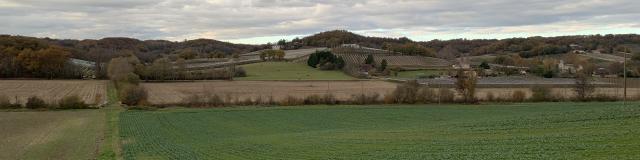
(485, 65)
(383, 65)
(313, 60)
(369, 59)
(339, 63)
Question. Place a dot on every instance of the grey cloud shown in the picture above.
(235, 19)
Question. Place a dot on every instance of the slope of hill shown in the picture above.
(103, 49)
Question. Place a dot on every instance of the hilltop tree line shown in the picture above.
(448, 49)
(28, 57)
(49, 58)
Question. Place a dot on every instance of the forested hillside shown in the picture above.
(525, 47)
(48, 58)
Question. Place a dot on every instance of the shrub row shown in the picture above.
(542, 94)
(33, 102)
(406, 93)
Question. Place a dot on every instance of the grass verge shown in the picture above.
(110, 148)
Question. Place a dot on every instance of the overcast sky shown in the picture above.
(254, 21)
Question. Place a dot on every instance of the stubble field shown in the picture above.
(172, 93)
(91, 91)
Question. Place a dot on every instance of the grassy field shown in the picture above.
(423, 73)
(51, 135)
(517, 131)
(289, 71)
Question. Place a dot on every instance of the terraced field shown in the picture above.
(289, 71)
(414, 62)
(518, 131)
(92, 92)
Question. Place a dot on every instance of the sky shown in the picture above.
(262, 21)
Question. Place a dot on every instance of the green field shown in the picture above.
(51, 134)
(289, 71)
(517, 131)
(422, 73)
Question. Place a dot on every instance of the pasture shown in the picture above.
(51, 135)
(515, 131)
(289, 71)
(92, 92)
(172, 93)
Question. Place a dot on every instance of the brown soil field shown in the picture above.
(92, 92)
(172, 93)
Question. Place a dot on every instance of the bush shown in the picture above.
(72, 102)
(194, 100)
(291, 101)
(426, 95)
(215, 101)
(362, 99)
(327, 66)
(328, 99)
(518, 96)
(240, 72)
(490, 97)
(406, 92)
(5, 103)
(541, 94)
(446, 95)
(133, 95)
(35, 103)
(604, 98)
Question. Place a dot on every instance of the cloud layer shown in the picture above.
(266, 20)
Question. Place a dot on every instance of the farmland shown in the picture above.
(289, 71)
(420, 73)
(92, 92)
(171, 93)
(50, 135)
(517, 131)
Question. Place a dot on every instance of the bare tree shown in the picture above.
(466, 85)
(583, 87)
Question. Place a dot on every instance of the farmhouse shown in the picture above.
(350, 45)
(568, 68)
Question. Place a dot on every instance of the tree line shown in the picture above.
(525, 47)
(30, 57)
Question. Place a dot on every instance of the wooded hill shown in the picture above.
(22, 56)
(44, 57)
(448, 49)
